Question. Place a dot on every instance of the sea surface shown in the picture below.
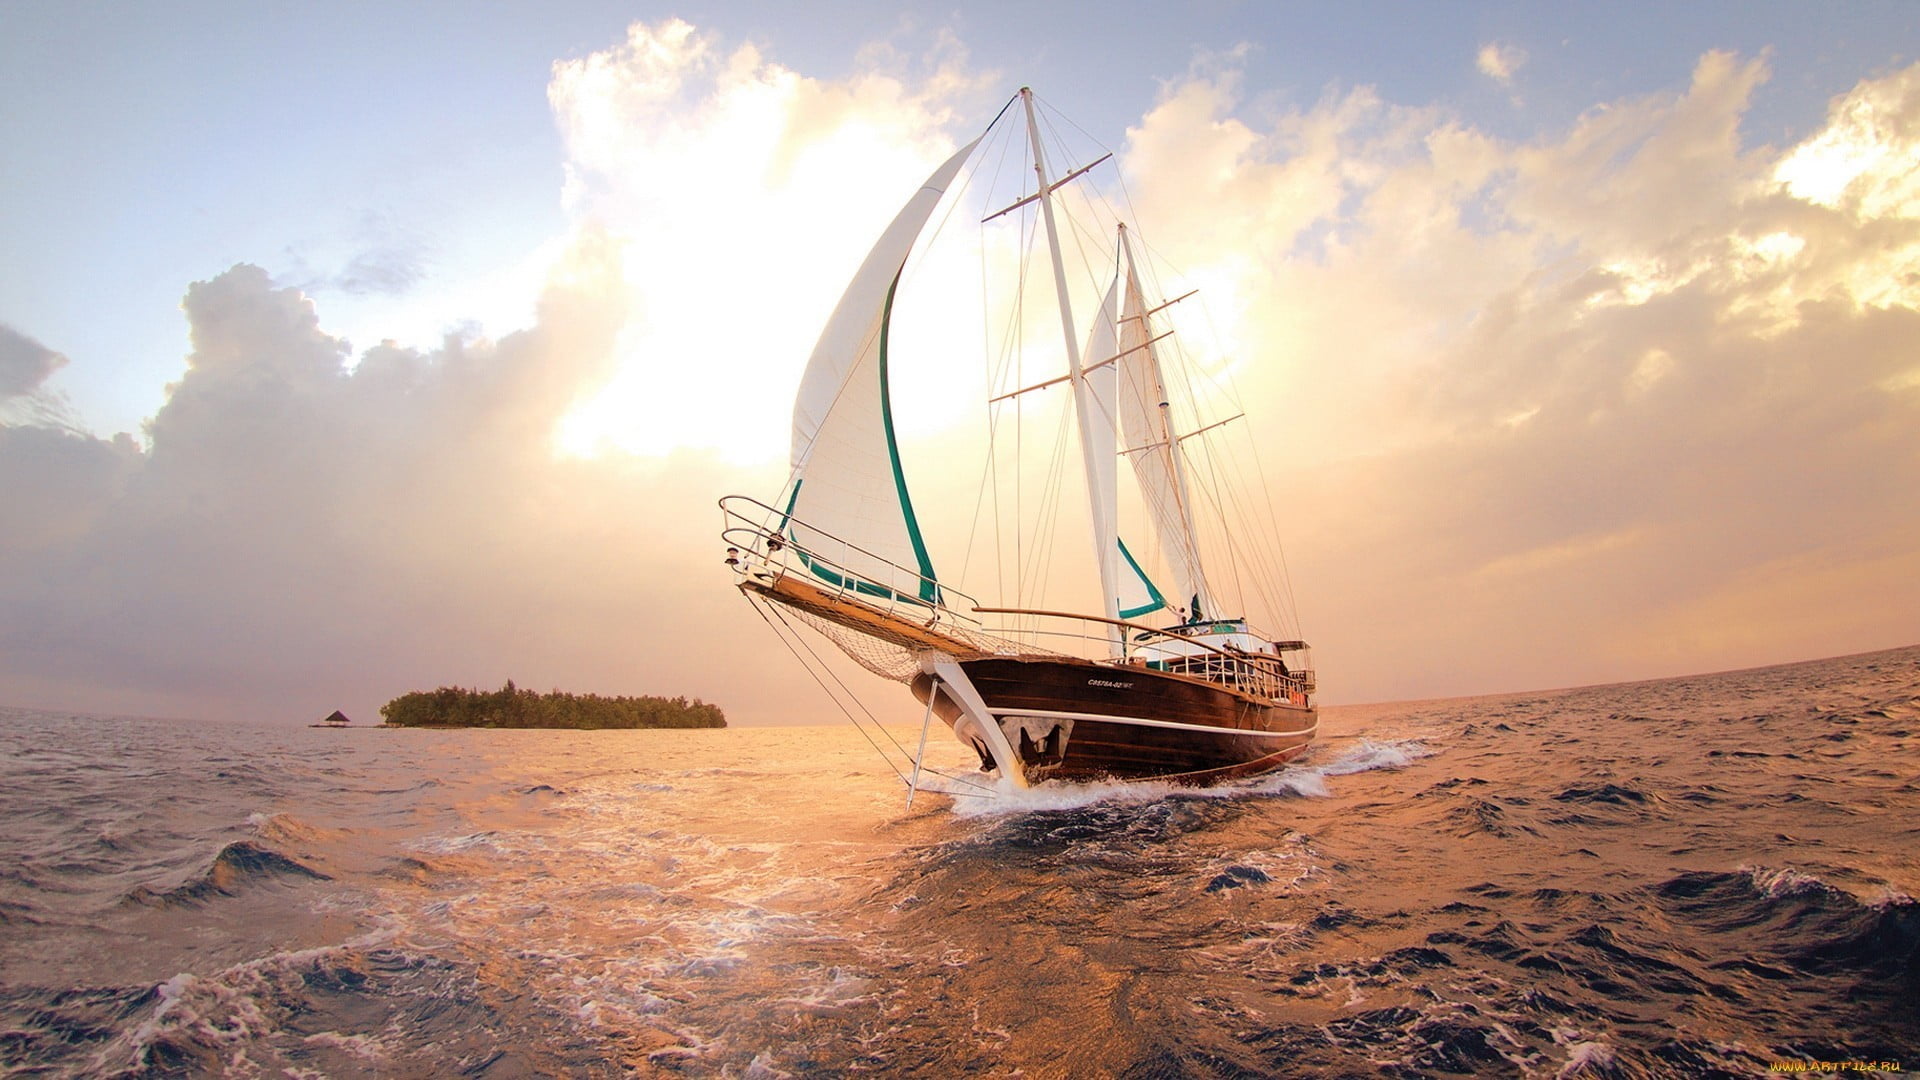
(1695, 877)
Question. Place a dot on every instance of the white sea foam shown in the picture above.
(1784, 881)
(1366, 755)
(839, 990)
(1587, 1057)
(1889, 897)
(1012, 800)
(1308, 780)
(762, 1069)
(452, 845)
(226, 1011)
(1307, 783)
(365, 1047)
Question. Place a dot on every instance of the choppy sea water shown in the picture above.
(1691, 877)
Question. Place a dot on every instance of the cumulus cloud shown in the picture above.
(311, 527)
(1568, 405)
(302, 534)
(743, 192)
(1500, 61)
(1629, 398)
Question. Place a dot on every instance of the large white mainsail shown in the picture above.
(1149, 442)
(848, 513)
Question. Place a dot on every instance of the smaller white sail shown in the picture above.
(1131, 592)
(848, 511)
(1150, 443)
(1096, 414)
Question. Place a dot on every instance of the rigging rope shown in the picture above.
(789, 636)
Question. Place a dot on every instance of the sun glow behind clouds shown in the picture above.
(1868, 155)
(743, 195)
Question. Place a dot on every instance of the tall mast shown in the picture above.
(1100, 495)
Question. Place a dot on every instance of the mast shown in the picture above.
(1199, 599)
(1100, 495)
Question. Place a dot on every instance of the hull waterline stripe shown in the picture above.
(1053, 714)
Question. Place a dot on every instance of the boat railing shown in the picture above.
(761, 543)
(1262, 674)
(760, 540)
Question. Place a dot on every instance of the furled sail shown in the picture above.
(1150, 443)
(848, 513)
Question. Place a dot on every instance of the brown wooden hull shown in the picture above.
(1078, 720)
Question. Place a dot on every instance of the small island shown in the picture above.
(512, 707)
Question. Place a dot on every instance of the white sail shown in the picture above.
(1134, 594)
(1096, 414)
(848, 512)
(1149, 441)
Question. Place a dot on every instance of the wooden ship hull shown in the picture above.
(1034, 717)
(1077, 721)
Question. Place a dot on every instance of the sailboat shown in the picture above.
(1155, 683)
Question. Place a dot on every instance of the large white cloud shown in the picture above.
(302, 534)
(1629, 398)
(744, 195)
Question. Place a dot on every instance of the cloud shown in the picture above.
(385, 271)
(24, 363)
(1555, 405)
(1628, 398)
(730, 181)
(1500, 61)
(314, 527)
(303, 534)
(378, 257)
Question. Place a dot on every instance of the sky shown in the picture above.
(353, 349)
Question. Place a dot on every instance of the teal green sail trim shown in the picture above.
(929, 586)
(828, 574)
(1159, 602)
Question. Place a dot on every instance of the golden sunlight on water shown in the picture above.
(1696, 876)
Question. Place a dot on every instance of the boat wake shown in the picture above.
(1310, 779)
(1299, 780)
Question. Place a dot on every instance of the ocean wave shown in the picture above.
(1587, 1059)
(362, 1007)
(1782, 915)
(422, 869)
(1608, 794)
(287, 829)
(1478, 815)
(450, 845)
(1366, 755)
(238, 865)
(15, 913)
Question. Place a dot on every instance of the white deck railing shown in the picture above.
(759, 542)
